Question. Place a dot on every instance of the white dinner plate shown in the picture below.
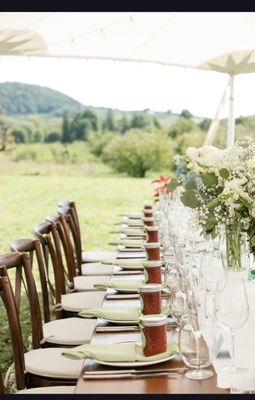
(121, 322)
(128, 249)
(126, 290)
(135, 363)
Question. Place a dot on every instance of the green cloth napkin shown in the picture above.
(135, 215)
(129, 243)
(132, 242)
(117, 352)
(113, 313)
(133, 231)
(118, 313)
(120, 284)
(132, 263)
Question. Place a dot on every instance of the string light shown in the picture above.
(102, 33)
(100, 30)
(131, 19)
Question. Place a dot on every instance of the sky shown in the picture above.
(132, 86)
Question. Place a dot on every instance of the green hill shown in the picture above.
(21, 99)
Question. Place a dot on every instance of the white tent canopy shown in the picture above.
(185, 39)
(219, 41)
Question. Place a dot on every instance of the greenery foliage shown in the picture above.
(137, 152)
(83, 123)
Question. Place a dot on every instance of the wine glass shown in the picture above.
(178, 306)
(194, 350)
(232, 312)
(193, 347)
(212, 277)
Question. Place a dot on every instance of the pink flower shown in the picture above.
(163, 180)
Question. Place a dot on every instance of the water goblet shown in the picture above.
(194, 350)
(232, 312)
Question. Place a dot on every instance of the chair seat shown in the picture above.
(77, 302)
(69, 331)
(48, 390)
(95, 269)
(85, 283)
(98, 255)
(50, 363)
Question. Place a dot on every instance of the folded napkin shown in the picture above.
(132, 215)
(133, 231)
(113, 313)
(132, 223)
(118, 313)
(130, 251)
(132, 242)
(125, 263)
(119, 284)
(117, 352)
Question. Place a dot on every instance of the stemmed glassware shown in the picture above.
(193, 348)
(232, 312)
(212, 277)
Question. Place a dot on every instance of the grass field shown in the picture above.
(27, 200)
(31, 191)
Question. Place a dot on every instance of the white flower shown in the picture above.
(208, 155)
(251, 162)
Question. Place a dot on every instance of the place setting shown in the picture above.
(150, 320)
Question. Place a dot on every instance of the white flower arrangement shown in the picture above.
(220, 186)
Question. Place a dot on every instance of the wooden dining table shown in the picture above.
(177, 384)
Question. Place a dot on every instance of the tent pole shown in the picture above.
(231, 117)
(215, 122)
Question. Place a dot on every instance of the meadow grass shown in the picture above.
(27, 200)
(29, 191)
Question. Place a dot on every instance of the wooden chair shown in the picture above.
(2, 388)
(56, 332)
(43, 367)
(37, 390)
(83, 269)
(86, 256)
(69, 211)
(33, 248)
(78, 283)
(67, 301)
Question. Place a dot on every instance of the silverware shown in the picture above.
(133, 376)
(122, 296)
(128, 272)
(137, 371)
(126, 328)
(117, 328)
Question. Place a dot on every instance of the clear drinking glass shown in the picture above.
(232, 312)
(212, 278)
(178, 305)
(194, 350)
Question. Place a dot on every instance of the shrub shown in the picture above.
(19, 134)
(182, 125)
(53, 137)
(137, 151)
(99, 140)
(189, 139)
